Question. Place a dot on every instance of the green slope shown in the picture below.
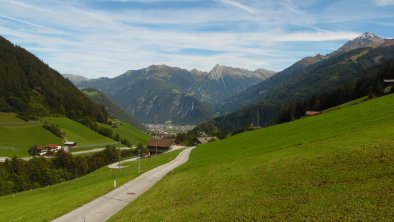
(129, 132)
(17, 136)
(30, 87)
(79, 133)
(45, 204)
(338, 166)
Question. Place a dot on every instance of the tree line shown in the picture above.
(18, 175)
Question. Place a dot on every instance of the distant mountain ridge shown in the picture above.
(160, 93)
(304, 79)
(75, 78)
(306, 65)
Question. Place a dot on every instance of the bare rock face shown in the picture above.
(368, 39)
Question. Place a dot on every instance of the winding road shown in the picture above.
(104, 207)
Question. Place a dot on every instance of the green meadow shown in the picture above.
(45, 204)
(337, 166)
(79, 133)
(17, 136)
(129, 132)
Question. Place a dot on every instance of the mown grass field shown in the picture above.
(129, 132)
(17, 136)
(47, 203)
(338, 166)
(79, 133)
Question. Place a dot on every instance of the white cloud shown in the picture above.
(75, 38)
(384, 2)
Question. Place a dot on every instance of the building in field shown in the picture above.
(42, 150)
(159, 145)
(312, 113)
(70, 143)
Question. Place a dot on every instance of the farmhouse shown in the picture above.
(70, 144)
(204, 140)
(160, 145)
(42, 150)
(312, 113)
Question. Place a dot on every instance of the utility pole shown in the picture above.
(258, 118)
(119, 154)
(157, 141)
(139, 158)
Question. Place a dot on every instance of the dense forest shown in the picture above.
(18, 175)
(370, 84)
(32, 89)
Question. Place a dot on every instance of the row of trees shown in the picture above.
(19, 175)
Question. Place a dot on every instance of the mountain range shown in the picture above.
(161, 93)
(306, 78)
(164, 94)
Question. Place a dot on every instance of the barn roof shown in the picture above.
(70, 143)
(161, 142)
(312, 113)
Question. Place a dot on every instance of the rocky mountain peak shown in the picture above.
(368, 35)
(216, 72)
(368, 39)
(75, 78)
(219, 71)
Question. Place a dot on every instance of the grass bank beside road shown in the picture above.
(337, 166)
(45, 204)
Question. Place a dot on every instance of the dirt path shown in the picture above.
(104, 207)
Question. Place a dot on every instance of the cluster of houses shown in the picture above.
(53, 148)
(155, 146)
(160, 145)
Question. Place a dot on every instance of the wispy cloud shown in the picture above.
(26, 22)
(320, 36)
(240, 6)
(82, 37)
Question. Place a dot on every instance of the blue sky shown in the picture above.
(108, 37)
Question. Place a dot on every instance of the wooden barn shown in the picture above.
(157, 145)
(312, 113)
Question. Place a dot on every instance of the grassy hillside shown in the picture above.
(50, 202)
(129, 132)
(17, 136)
(31, 88)
(79, 133)
(338, 166)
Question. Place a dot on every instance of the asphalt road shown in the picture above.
(116, 164)
(104, 207)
